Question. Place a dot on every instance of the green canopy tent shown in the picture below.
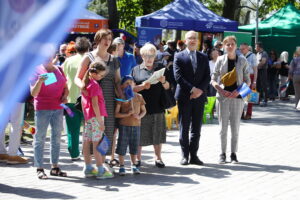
(281, 31)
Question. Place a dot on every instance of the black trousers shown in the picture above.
(190, 115)
(262, 84)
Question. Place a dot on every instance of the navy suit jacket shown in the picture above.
(186, 78)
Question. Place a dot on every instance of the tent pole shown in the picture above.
(256, 29)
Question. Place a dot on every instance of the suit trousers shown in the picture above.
(229, 110)
(190, 114)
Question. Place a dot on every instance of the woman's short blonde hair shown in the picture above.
(284, 56)
(148, 49)
(230, 37)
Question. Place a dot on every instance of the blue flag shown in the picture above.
(29, 32)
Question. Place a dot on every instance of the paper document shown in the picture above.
(156, 75)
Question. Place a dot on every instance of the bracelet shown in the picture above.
(254, 82)
(164, 82)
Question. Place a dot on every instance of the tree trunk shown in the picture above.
(230, 8)
(113, 14)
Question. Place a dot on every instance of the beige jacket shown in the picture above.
(221, 68)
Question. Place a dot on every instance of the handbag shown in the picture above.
(78, 105)
(229, 78)
(167, 99)
(103, 145)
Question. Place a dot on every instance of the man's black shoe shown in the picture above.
(184, 161)
(222, 158)
(233, 158)
(196, 161)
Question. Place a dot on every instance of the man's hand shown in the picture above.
(196, 92)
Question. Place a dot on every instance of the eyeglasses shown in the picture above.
(149, 56)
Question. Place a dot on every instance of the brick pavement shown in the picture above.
(269, 168)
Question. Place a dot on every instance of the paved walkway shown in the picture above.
(269, 168)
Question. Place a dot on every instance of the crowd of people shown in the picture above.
(114, 93)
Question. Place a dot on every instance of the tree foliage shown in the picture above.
(99, 7)
(268, 6)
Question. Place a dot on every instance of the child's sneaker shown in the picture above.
(90, 172)
(104, 175)
(135, 170)
(122, 171)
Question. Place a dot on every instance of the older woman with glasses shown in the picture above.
(153, 126)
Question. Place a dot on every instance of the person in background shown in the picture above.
(272, 75)
(230, 103)
(16, 119)
(192, 74)
(262, 77)
(294, 74)
(113, 50)
(127, 60)
(153, 125)
(130, 114)
(180, 45)
(47, 100)
(214, 56)
(61, 55)
(71, 50)
(252, 68)
(137, 54)
(283, 74)
(219, 46)
(70, 67)
(160, 51)
(207, 47)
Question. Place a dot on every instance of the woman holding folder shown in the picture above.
(231, 71)
(151, 83)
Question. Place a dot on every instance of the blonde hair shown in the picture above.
(230, 37)
(147, 49)
(284, 56)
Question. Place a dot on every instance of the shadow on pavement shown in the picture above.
(33, 193)
(244, 166)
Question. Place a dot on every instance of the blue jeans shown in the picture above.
(42, 120)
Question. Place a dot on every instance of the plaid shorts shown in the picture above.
(92, 130)
(128, 135)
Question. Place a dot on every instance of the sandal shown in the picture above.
(41, 174)
(56, 171)
(114, 162)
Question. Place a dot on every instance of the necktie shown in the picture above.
(194, 60)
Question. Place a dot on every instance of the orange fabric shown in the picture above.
(89, 25)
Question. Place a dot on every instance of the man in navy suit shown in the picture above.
(192, 74)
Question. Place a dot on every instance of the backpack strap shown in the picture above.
(249, 55)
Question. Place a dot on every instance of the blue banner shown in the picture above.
(152, 35)
(30, 31)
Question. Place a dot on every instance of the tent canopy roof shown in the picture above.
(186, 15)
(285, 21)
(86, 14)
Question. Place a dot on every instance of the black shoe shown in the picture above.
(138, 163)
(184, 161)
(233, 158)
(222, 158)
(196, 161)
(160, 164)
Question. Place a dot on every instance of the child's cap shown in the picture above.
(125, 78)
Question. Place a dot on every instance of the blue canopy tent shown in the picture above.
(186, 15)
